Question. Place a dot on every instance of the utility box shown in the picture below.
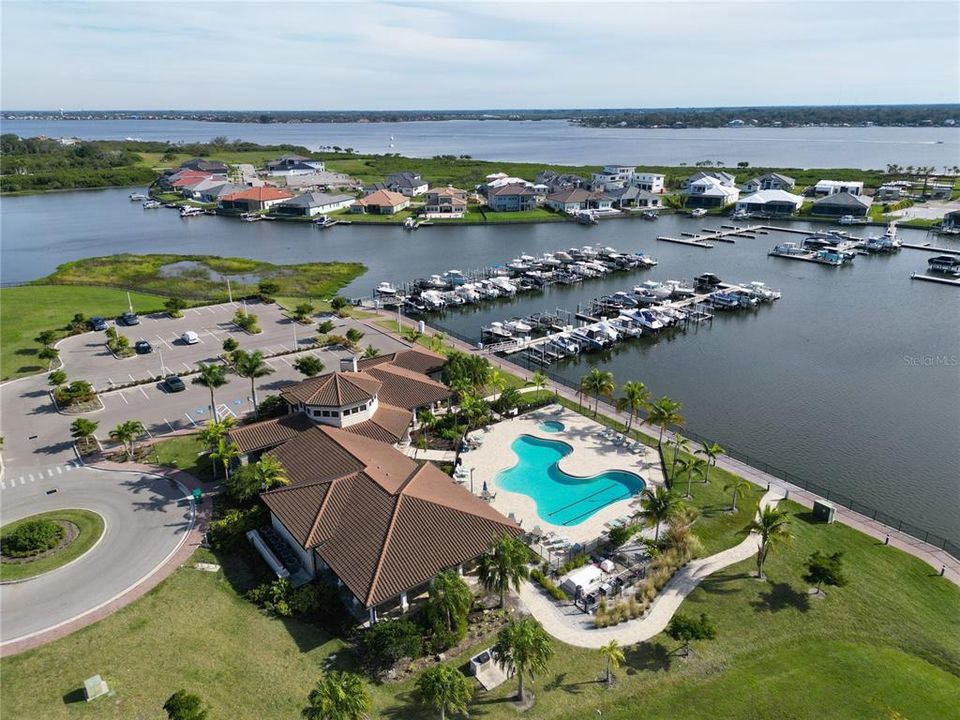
(824, 511)
(94, 687)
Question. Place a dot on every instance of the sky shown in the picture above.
(475, 54)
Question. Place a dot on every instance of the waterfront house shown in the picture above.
(381, 202)
(313, 203)
(770, 202)
(445, 202)
(181, 178)
(319, 181)
(196, 190)
(572, 201)
(214, 167)
(649, 182)
(287, 165)
(712, 192)
(409, 184)
(612, 177)
(214, 193)
(512, 198)
(833, 187)
(892, 191)
(769, 181)
(840, 204)
(253, 199)
(633, 196)
(723, 178)
(555, 182)
(951, 221)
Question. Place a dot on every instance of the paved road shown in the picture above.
(146, 518)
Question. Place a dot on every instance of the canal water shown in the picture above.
(555, 141)
(850, 381)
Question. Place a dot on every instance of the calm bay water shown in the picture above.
(851, 380)
(555, 141)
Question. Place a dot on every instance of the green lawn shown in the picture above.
(91, 528)
(186, 452)
(26, 310)
(862, 652)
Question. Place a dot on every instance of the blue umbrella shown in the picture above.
(485, 486)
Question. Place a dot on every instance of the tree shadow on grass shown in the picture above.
(648, 656)
(719, 584)
(781, 596)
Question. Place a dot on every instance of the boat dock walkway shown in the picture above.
(725, 233)
(934, 279)
(931, 248)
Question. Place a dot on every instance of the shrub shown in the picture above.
(576, 562)
(57, 377)
(272, 406)
(335, 340)
(339, 304)
(268, 289)
(548, 585)
(230, 344)
(326, 327)
(32, 537)
(228, 532)
(79, 391)
(354, 335)
(279, 597)
(175, 306)
(633, 607)
(385, 643)
(246, 321)
(619, 535)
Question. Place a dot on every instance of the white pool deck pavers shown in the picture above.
(592, 454)
(576, 628)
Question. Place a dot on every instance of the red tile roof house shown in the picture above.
(258, 198)
(356, 509)
(381, 202)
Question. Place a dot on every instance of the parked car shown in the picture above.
(173, 384)
(98, 323)
(128, 318)
(190, 338)
(143, 347)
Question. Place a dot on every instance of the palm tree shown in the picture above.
(664, 412)
(127, 433)
(225, 452)
(338, 696)
(504, 564)
(657, 505)
(739, 487)
(598, 382)
(680, 444)
(436, 342)
(691, 466)
(253, 366)
(211, 377)
(445, 688)
(712, 451)
(539, 381)
(496, 380)
(450, 597)
(82, 428)
(269, 472)
(771, 525)
(523, 647)
(636, 397)
(614, 657)
(213, 432)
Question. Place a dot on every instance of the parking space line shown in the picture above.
(186, 366)
(132, 378)
(143, 392)
(284, 360)
(123, 397)
(211, 310)
(190, 419)
(31, 479)
(270, 364)
(50, 473)
(169, 425)
(69, 467)
(149, 435)
(59, 470)
(196, 311)
(164, 342)
(3, 485)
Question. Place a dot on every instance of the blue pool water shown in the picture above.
(552, 426)
(562, 499)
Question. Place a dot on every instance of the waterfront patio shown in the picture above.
(595, 450)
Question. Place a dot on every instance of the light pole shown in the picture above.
(229, 291)
(471, 481)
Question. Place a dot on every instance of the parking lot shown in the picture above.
(87, 356)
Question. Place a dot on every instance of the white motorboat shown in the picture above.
(563, 257)
(454, 277)
(851, 220)
(250, 217)
(564, 343)
(190, 211)
(435, 282)
(518, 326)
(138, 196)
(625, 326)
(497, 330)
(698, 212)
(679, 290)
(549, 260)
(646, 319)
(409, 224)
(645, 260)
(469, 293)
(433, 299)
(658, 290)
(504, 286)
(385, 289)
(740, 215)
(152, 204)
(761, 291)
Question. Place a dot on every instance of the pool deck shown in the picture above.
(592, 455)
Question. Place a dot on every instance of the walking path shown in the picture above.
(175, 559)
(934, 556)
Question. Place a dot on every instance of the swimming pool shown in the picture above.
(562, 499)
(552, 426)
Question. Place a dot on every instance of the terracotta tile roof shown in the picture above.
(333, 389)
(386, 527)
(448, 190)
(269, 433)
(407, 388)
(260, 194)
(512, 190)
(389, 424)
(417, 359)
(383, 197)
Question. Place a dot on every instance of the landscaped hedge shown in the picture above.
(548, 585)
(31, 538)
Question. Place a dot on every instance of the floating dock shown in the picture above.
(725, 233)
(935, 279)
(931, 248)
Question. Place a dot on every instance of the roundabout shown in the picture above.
(77, 533)
(144, 521)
